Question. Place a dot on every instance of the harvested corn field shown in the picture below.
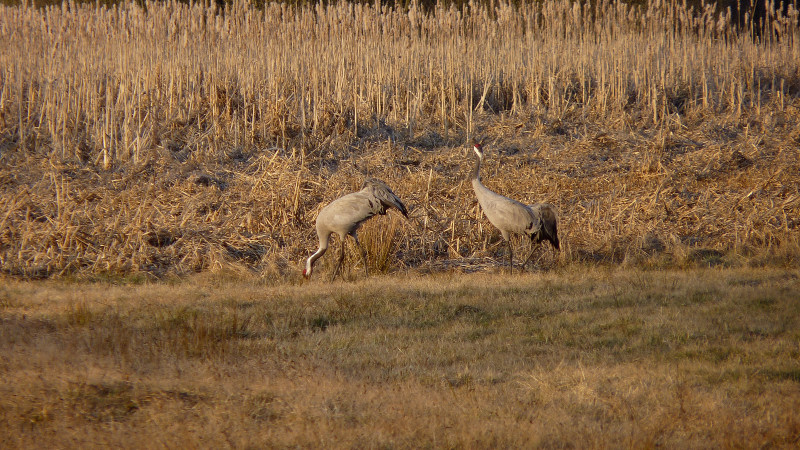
(160, 138)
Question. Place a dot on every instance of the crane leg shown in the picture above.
(363, 254)
(529, 256)
(341, 260)
(510, 257)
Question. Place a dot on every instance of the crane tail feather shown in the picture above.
(384, 194)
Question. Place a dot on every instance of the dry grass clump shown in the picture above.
(165, 138)
(578, 358)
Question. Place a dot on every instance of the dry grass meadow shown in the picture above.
(162, 164)
(581, 358)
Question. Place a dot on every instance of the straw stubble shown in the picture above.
(169, 138)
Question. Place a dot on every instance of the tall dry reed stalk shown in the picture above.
(158, 135)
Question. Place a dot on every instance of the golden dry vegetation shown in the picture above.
(177, 155)
(579, 358)
(170, 138)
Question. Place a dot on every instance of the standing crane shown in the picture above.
(344, 215)
(538, 221)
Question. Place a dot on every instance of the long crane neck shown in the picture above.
(324, 239)
(475, 175)
(482, 192)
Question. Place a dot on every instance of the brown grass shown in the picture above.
(171, 139)
(577, 358)
(158, 140)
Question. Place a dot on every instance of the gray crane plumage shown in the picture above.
(539, 221)
(344, 215)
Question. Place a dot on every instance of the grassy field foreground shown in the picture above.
(583, 357)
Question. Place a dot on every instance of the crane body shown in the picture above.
(345, 215)
(539, 221)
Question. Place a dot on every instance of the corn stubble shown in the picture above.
(163, 138)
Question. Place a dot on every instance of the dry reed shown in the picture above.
(170, 138)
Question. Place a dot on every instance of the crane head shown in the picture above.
(478, 149)
(307, 272)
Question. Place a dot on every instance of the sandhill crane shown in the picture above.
(344, 215)
(538, 221)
